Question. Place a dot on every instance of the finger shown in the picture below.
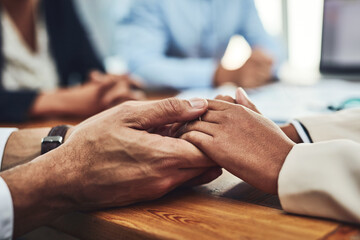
(176, 153)
(243, 99)
(162, 130)
(138, 95)
(181, 176)
(183, 154)
(199, 126)
(153, 114)
(175, 128)
(212, 116)
(104, 87)
(218, 105)
(225, 98)
(195, 176)
(119, 92)
(127, 96)
(136, 84)
(210, 175)
(201, 140)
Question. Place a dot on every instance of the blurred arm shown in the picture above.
(256, 35)
(145, 45)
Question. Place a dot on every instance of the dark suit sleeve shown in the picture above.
(69, 42)
(87, 57)
(15, 106)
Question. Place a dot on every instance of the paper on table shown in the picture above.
(282, 102)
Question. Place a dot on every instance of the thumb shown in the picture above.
(168, 111)
(243, 99)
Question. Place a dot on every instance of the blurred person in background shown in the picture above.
(100, 18)
(180, 43)
(46, 52)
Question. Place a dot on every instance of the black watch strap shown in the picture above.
(54, 139)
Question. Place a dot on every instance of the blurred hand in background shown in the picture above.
(100, 92)
(256, 71)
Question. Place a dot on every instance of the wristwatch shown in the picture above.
(54, 139)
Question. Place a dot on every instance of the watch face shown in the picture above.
(50, 143)
(52, 139)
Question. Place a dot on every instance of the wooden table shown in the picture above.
(224, 209)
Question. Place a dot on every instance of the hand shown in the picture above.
(108, 160)
(256, 71)
(243, 99)
(241, 141)
(99, 93)
(125, 88)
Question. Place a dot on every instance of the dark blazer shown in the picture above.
(72, 52)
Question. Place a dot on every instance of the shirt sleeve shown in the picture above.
(4, 135)
(6, 212)
(144, 48)
(6, 206)
(323, 180)
(255, 34)
(301, 131)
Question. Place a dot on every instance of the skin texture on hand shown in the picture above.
(22, 147)
(256, 71)
(241, 141)
(109, 160)
(243, 99)
(102, 91)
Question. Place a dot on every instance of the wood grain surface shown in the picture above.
(225, 209)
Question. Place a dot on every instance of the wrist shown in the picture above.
(38, 195)
(291, 132)
(68, 133)
(223, 76)
(49, 103)
(22, 147)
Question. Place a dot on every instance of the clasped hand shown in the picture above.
(238, 138)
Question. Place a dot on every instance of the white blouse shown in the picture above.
(23, 68)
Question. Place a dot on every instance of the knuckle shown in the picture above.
(188, 136)
(192, 137)
(219, 97)
(226, 116)
(126, 110)
(172, 106)
(228, 99)
(128, 105)
(240, 108)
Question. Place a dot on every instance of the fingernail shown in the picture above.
(198, 103)
(241, 96)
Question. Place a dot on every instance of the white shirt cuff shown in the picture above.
(300, 130)
(4, 136)
(6, 212)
